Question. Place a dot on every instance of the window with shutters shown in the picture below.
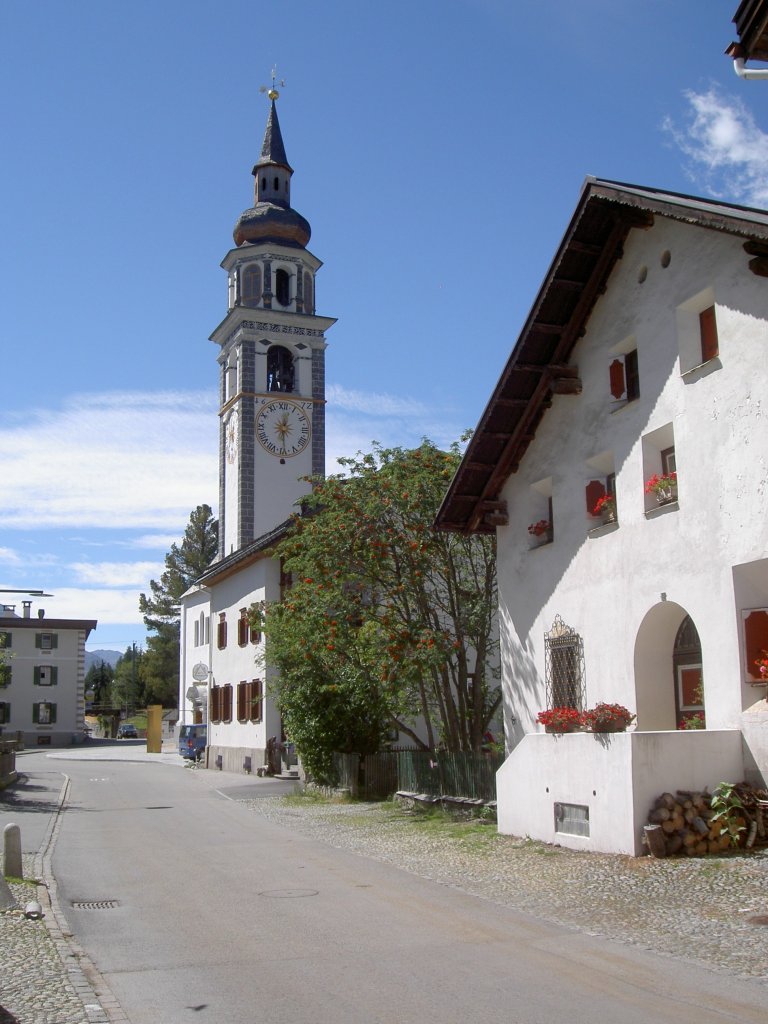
(249, 701)
(243, 628)
(624, 378)
(5, 675)
(46, 675)
(215, 704)
(5, 712)
(564, 666)
(46, 641)
(755, 643)
(708, 334)
(6, 639)
(221, 631)
(698, 334)
(226, 703)
(44, 713)
(659, 459)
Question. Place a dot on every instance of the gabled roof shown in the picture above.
(538, 366)
(245, 556)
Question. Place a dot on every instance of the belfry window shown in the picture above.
(283, 287)
(280, 371)
(251, 285)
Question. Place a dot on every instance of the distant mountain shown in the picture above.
(96, 657)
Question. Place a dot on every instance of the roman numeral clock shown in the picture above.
(283, 427)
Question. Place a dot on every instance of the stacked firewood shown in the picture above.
(687, 824)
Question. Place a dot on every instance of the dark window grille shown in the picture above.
(564, 657)
(280, 372)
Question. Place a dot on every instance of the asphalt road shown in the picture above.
(221, 916)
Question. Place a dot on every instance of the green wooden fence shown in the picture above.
(378, 776)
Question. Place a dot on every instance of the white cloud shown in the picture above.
(727, 149)
(372, 403)
(9, 557)
(113, 607)
(116, 574)
(156, 541)
(117, 460)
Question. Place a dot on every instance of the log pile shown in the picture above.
(686, 824)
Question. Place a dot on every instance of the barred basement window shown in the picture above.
(564, 666)
(572, 819)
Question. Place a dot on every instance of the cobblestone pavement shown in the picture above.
(707, 910)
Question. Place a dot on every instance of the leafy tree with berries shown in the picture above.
(387, 621)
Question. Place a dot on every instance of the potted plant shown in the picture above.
(541, 531)
(663, 488)
(761, 665)
(560, 719)
(692, 720)
(605, 507)
(607, 718)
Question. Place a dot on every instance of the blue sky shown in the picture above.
(439, 147)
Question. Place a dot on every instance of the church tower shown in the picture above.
(272, 358)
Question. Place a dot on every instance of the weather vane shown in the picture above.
(273, 93)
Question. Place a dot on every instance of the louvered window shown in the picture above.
(221, 632)
(624, 378)
(44, 713)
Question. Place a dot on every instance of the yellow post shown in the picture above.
(154, 728)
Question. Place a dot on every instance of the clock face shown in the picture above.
(231, 438)
(283, 428)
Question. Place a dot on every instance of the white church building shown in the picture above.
(645, 354)
(271, 355)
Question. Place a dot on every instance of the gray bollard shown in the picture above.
(12, 852)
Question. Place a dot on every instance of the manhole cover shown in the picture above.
(95, 904)
(288, 894)
(758, 919)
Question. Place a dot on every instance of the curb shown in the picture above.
(99, 1003)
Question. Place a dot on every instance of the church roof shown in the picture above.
(245, 556)
(538, 366)
(272, 148)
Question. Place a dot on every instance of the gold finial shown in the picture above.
(272, 93)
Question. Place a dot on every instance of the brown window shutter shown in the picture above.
(708, 328)
(242, 696)
(755, 640)
(595, 489)
(618, 379)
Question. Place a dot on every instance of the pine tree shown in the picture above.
(183, 564)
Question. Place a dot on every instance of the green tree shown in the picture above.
(183, 564)
(386, 618)
(128, 687)
(98, 682)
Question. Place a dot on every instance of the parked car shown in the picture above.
(192, 741)
(127, 731)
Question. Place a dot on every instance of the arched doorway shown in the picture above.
(666, 641)
(689, 680)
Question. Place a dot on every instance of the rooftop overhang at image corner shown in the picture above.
(751, 21)
(538, 367)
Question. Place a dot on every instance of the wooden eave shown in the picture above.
(539, 366)
(751, 21)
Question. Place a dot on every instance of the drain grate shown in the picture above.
(95, 904)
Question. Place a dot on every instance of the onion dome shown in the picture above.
(271, 218)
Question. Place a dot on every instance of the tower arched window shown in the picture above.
(263, 184)
(283, 287)
(280, 370)
(251, 285)
(277, 184)
(309, 298)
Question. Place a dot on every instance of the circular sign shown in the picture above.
(200, 672)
